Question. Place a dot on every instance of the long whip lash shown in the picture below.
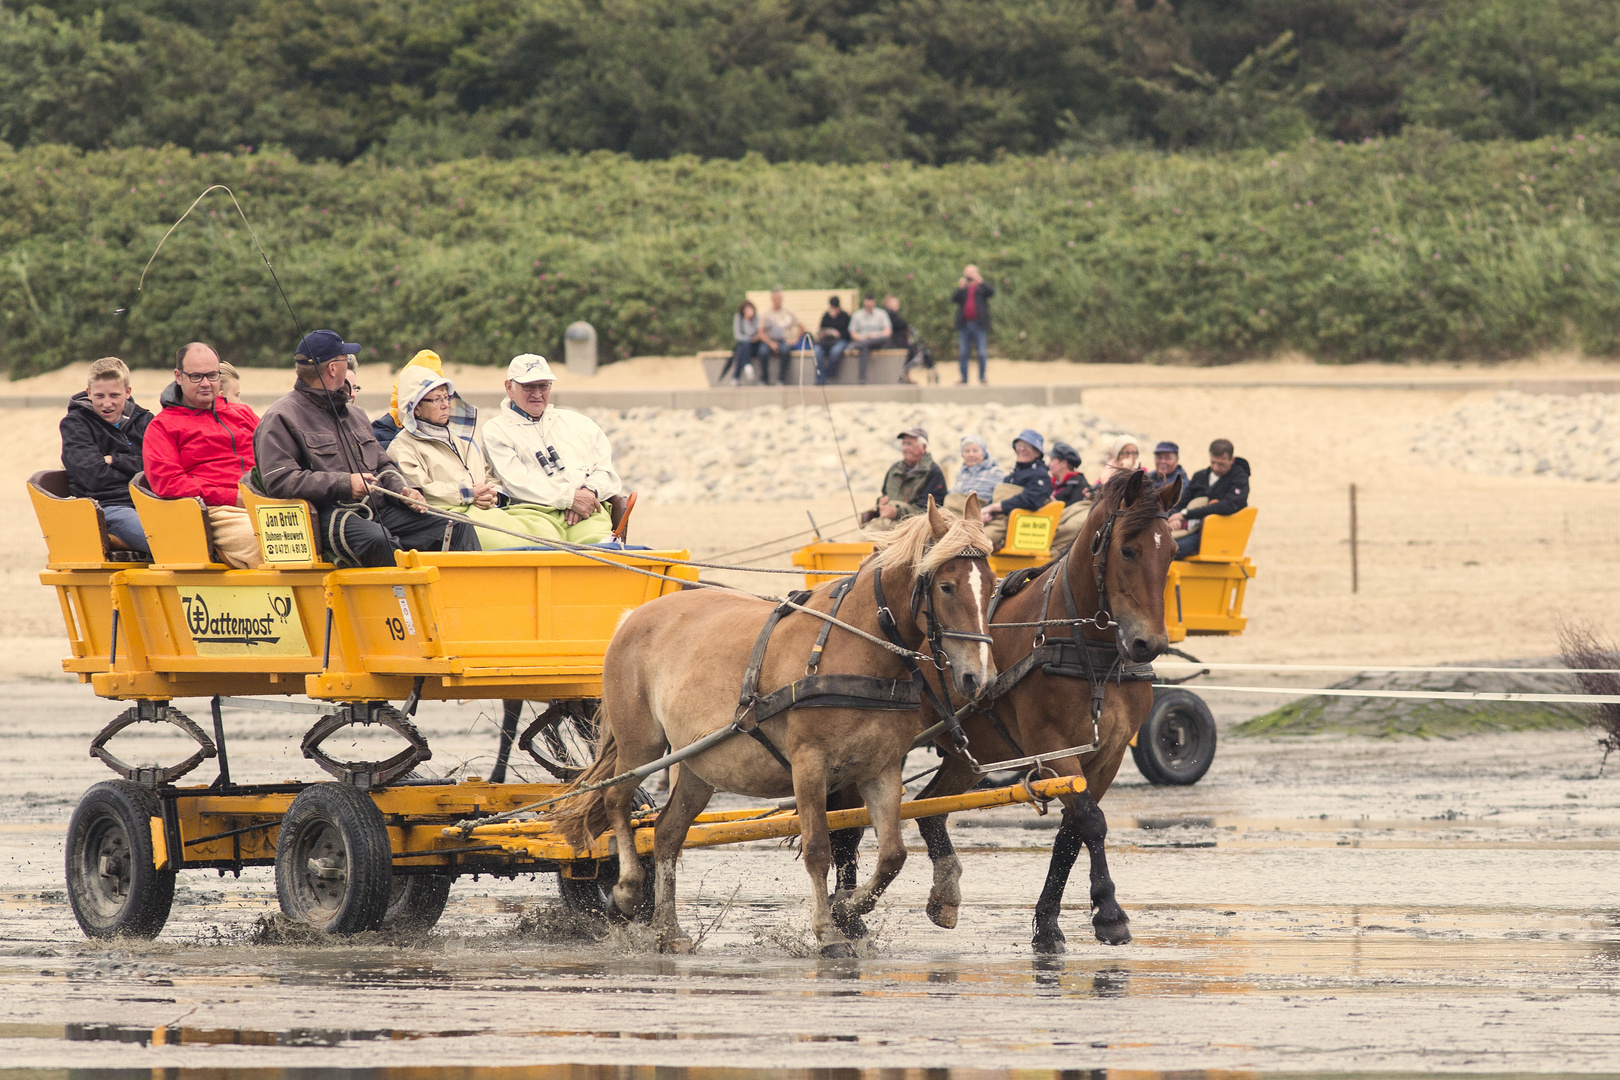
(251, 233)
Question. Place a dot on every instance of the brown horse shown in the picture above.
(688, 664)
(1126, 548)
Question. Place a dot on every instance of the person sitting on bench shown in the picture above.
(1222, 489)
(869, 329)
(200, 446)
(101, 447)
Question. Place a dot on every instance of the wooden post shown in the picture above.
(1355, 567)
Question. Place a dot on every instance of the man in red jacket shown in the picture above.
(199, 446)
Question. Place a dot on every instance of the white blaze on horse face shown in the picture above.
(1158, 540)
(978, 612)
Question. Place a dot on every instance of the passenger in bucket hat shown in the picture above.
(1028, 486)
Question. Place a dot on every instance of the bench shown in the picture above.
(886, 365)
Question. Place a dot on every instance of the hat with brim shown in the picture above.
(1167, 447)
(1033, 438)
(321, 346)
(528, 368)
(915, 433)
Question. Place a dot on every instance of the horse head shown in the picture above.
(952, 584)
(1130, 551)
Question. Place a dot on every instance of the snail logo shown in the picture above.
(243, 622)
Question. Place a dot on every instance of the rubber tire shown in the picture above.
(1176, 743)
(338, 819)
(594, 896)
(416, 901)
(115, 816)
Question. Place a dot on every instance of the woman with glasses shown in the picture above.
(438, 453)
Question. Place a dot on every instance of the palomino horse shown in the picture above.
(672, 674)
(1114, 573)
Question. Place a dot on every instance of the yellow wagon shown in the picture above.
(376, 846)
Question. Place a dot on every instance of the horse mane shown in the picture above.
(1140, 515)
(912, 544)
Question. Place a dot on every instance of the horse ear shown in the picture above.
(1170, 494)
(1133, 488)
(970, 512)
(936, 520)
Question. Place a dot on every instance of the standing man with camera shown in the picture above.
(554, 464)
(972, 300)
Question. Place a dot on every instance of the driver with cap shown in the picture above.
(316, 444)
(554, 464)
(908, 484)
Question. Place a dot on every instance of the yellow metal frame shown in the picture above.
(827, 560)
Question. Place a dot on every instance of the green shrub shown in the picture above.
(1417, 247)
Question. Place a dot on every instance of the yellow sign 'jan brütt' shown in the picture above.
(285, 535)
(243, 621)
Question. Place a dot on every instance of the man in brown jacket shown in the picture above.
(314, 444)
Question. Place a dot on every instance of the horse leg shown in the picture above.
(882, 797)
(1110, 922)
(619, 803)
(945, 898)
(846, 845)
(810, 789)
(1083, 823)
(686, 802)
(1048, 937)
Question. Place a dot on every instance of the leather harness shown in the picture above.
(845, 691)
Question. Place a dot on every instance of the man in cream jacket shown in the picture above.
(556, 461)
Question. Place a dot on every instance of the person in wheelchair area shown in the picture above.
(1222, 489)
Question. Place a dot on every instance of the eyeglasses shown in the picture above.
(534, 389)
(354, 386)
(202, 376)
(436, 399)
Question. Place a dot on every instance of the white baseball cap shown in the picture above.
(529, 368)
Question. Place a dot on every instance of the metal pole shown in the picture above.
(1355, 562)
(813, 526)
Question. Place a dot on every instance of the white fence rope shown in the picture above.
(1363, 668)
(1443, 695)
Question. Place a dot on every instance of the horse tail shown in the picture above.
(584, 817)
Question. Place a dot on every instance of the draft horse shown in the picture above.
(1074, 642)
(842, 710)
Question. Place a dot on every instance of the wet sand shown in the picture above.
(1323, 904)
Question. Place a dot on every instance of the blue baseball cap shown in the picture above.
(319, 346)
(1167, 447)
(1033, 437)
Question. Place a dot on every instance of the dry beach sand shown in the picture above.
(1465, 552)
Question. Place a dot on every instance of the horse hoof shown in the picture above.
(680, 946)
(838, 950)
(1049, 942)
(1113, 933)
(941, 914)
(850, 925)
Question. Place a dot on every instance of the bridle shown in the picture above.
(922, 598)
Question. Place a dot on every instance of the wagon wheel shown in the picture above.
(563, 737)
(416, 901)
(334, 866)
(1176, 743)
(112, 882)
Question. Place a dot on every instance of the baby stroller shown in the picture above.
(919, 356)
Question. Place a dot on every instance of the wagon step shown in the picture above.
(540, 840)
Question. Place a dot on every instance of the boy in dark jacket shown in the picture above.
(1222, 489)
(101, 447)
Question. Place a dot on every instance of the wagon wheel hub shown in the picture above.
(330, 868)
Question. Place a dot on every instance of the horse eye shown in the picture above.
(946, 587)
(1128, 552)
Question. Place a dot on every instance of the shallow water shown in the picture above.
(1321, 907)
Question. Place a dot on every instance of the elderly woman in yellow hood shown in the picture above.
(437, 451)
